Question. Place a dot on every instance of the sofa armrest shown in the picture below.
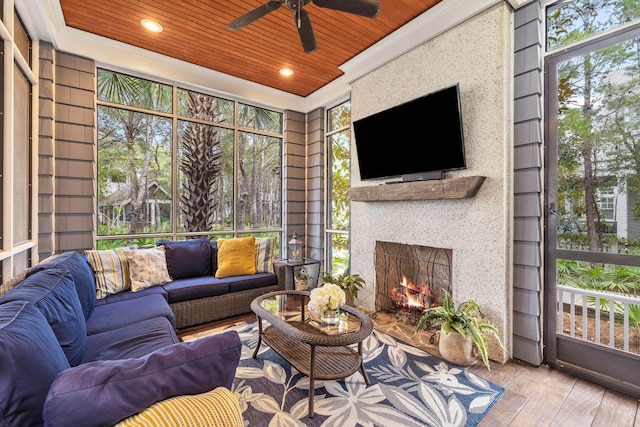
(107, 391)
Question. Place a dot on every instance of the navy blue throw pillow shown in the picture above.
(107, 391)
(78, 265)
(53, 292)
(30, 360)
(187, 258)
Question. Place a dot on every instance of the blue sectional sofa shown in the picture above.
(197, 296)
(68, 358)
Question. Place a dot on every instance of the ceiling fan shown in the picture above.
(366, 8)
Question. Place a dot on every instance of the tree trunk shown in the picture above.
(201, 165)
(588, 155)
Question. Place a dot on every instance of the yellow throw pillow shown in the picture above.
(236, 257)
(215, 408)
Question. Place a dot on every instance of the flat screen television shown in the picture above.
(420, 139)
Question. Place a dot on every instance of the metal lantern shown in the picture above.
(295, 248)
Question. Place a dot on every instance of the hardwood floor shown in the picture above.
(542, 396)
(534, 396)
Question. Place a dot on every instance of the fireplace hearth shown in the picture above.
(410, 278)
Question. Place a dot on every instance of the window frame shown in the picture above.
(16, 256)
(329, 230)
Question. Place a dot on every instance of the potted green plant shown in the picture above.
(302, 277)
(349, 283)
(461, 328)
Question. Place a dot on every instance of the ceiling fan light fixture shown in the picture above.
(286, 72)
(151, 25)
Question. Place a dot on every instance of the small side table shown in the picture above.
(313, 268)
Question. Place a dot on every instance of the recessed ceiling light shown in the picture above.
(286, 72)
(151, 25)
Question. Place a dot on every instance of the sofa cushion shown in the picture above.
(133, 340)
(187, 258)
(107, 317)
(258, 280)
(123, 296)
(236, 257)
(111, 271)
(106, 392)
(30, 359)
(265, 254)
(53, 292)
(147, 267)
(194, 288)
(83, 277)
(216, 408)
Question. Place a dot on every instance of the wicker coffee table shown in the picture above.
(318, 350)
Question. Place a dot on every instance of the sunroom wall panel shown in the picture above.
(74, 167)
(527, 257)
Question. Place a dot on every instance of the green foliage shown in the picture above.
(351, 283)
(623, 280)
(465, 319)
(110, 244)
(339, 148)
(142, 242)
(340, 261)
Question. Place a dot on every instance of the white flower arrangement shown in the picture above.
(326, 297)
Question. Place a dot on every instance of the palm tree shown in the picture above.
(201, 164)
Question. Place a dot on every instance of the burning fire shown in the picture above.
(410, 296)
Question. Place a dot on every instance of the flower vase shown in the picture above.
(330, 317)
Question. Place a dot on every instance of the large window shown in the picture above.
(17, 231)
(339, 179)
(21, 158)
(179, 162)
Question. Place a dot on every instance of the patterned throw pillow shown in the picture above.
(111, 270)
(215, 408)
(265, 254)
(236, 257)
(147, 267)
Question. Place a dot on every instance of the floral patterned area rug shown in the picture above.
(408, 387)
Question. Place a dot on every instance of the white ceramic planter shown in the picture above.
(456, 349)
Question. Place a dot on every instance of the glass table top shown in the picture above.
(292, 308)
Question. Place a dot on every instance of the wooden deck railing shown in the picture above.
(612, 310)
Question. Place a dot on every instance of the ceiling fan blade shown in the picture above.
(254, 15)
(366, 8)
(307, 37)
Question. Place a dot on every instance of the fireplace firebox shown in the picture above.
(410, 278)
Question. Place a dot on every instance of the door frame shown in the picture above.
(609, 367)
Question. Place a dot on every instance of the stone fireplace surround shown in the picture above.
(478, 229)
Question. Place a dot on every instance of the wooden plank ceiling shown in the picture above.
(196, 31)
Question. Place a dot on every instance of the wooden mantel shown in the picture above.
(448, 188)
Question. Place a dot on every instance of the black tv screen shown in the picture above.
(413, 140)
